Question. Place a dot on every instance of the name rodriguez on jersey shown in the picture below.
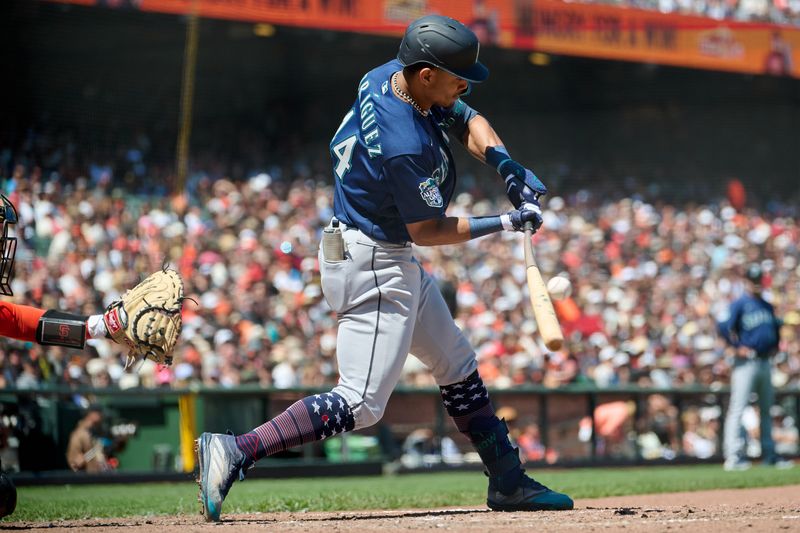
(367, 112)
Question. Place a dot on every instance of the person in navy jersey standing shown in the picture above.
(394, 177)
(753, 330)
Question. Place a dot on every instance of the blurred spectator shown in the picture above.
(530, 444)
(85, 450)
(784, 432)
(421, 448)
(658, 429)
(700, 433)
(28, 378)
(613, 422)
(526, 436)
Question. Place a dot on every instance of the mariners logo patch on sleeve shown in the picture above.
(430, 193)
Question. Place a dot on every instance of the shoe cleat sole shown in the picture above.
(547, 501)
(199, 480)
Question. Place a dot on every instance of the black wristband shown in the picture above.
(57, 328)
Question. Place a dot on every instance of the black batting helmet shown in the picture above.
(8, 245)
(444, 43)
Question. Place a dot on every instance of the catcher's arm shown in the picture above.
(147, 319)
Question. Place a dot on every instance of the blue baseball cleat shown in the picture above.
(219, 462)
(529, 496)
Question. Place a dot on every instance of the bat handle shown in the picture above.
(528, 229)
(528, 246)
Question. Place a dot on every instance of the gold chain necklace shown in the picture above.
(407, 97)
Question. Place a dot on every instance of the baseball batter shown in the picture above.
(394, 177)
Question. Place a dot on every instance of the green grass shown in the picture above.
(394, 492)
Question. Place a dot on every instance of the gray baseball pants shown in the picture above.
(388, 307)
(749, 375)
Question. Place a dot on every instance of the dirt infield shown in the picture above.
(754, 510)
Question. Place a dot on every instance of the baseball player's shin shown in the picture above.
(310, 419)
(509, 488)
(467, 400)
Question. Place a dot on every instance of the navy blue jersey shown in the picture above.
(391, 165)
(751, 323)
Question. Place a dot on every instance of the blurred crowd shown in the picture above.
(775, 11)
(648, 280)
(658, 429)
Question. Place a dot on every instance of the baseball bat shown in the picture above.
(543, 311)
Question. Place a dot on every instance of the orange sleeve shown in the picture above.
(19, 321)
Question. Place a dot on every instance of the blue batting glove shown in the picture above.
(522, 185)
(516, 220)
(524, 191)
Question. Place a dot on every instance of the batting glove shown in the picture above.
(515, 220)
(522, 185)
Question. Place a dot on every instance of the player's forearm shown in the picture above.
(453, 230)
(48, 327)
(479, 136)
(447, 230)
(19, 321)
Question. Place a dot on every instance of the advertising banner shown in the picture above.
(550, 26)
(651, 37)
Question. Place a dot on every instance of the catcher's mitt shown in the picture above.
(148, 317)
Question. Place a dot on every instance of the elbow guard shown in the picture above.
(57, 328)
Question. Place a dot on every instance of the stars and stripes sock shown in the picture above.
(310, 419)
(467, 400)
